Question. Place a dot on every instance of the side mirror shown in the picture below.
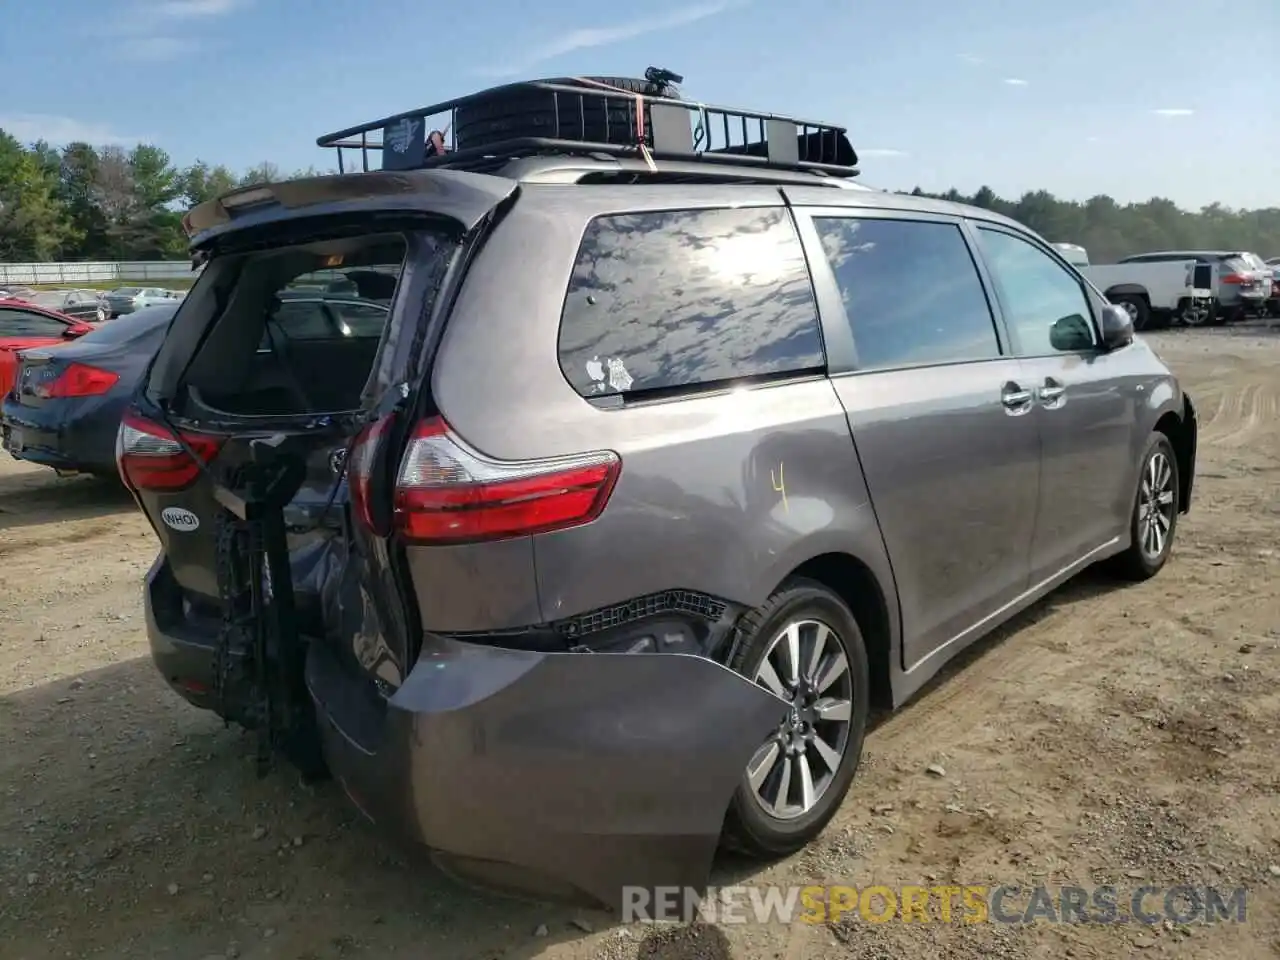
(1071, 334)
(76, 330)
(1117, 327)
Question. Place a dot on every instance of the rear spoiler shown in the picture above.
(461, 196)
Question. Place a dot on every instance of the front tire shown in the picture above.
(805, 645)
(1137, 308)
(1154, 517)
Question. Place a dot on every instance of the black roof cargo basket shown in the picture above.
(585, 116)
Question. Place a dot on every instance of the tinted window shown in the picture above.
(911, 291)
(1036, 291)
(19, 323)
(303, 320)
(132, 326)
(661, 300)
(360, 319)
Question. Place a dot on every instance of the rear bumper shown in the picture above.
(84, 442)
(561, 776)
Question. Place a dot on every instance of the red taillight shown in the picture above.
(448, 493)
(78, 380)
(151, 459)
(360, 464)
(1234, 279)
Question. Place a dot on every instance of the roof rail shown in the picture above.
(592, 116)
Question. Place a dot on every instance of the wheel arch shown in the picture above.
(1181, 429)
(854, 582)
(1127, 290)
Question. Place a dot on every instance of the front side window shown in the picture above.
(911, 292)
(688, 298)
(1039, 296)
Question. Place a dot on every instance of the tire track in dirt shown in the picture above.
(1253, 408)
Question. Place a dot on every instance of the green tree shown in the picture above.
(148, 226)
(33, 223)
(77, 177)
(201, 182)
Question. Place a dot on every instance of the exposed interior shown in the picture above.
(290, 330)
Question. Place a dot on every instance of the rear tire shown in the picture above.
(1159, 488)
(770, 815)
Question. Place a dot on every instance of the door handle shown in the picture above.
(1016, 400)
(1052, 394)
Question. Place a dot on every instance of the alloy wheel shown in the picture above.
(1156, 506)
(806, 664)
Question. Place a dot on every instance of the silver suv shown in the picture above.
(660, 473)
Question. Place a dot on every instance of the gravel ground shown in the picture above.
(1109, 735)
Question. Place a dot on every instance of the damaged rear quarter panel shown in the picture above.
(560, 775)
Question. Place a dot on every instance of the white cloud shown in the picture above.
(30, 127)
(1173, 112)
(588, 38)
(147, 31)
(971, 59)
(1016, 82)
(882, 152)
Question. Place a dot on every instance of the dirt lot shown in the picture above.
(1123, 736)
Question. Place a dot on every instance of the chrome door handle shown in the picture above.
(1052, 394)
(1015, 399)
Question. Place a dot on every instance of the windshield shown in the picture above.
(1253, 260)
(126, 292)
(132, 327)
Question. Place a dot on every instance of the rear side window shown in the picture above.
(663, 301)
(302, 320)
(911, 292)
(360, 319)
(21, 323)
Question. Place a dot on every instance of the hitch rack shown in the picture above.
(724, 135)
(256, 500)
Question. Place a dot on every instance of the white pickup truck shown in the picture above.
(1153, 294)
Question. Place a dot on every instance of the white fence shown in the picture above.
(16, 274)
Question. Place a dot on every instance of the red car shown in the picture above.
(24, 325)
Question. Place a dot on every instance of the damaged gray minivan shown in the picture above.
(573, 494)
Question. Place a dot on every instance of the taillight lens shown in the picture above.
(448, 493)
(1234, 279)
(150, 458)
(360, 467)
(78, 380)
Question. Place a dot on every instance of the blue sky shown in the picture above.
(1134, 98)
